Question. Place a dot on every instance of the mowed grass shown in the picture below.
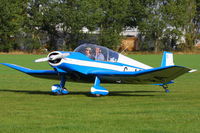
(27, 106)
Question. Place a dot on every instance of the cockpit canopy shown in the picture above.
(106, 54)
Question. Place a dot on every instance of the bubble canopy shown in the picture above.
(108, 54)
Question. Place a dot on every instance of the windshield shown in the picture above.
(97, 52)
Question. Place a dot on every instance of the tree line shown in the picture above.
(35, 24)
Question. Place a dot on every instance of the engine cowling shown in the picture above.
(55, 57)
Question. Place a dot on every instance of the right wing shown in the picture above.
(49, 74)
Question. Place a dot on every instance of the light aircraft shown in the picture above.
(111, 67)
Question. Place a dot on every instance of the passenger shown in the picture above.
(88, 53)
(98, 55)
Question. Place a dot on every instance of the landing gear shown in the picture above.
(59, 89)
(165, 88)
(98, 90)
(96, 95)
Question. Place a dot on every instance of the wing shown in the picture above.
(149, 76)
(50, 74)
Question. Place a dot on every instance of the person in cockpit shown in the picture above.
(88, 53)
(98, 55)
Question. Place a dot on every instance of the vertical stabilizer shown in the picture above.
(167, 59)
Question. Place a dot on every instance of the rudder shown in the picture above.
(167, 59)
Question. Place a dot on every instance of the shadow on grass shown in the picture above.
(28, 92)
(133, 93)
(111, 93)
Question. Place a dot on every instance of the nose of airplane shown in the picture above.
(53, 57)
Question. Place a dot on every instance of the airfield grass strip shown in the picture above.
(27, 106)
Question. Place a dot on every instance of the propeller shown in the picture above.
(52, 57)
(42, 59)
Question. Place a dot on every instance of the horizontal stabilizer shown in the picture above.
(193, 70)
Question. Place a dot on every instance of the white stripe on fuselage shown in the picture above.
(99, 65)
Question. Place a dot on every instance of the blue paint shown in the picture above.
(167, 91)
(164, 58)
(62, 80)
(59, 90)
(30, 71)
(99, 89)
(170, 82)
(97, 81)
(56, 91)
(64, 91)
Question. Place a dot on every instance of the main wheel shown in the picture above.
(96, 95)
(56, 89)
(167, 91)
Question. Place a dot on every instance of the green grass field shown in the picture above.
(26, 105)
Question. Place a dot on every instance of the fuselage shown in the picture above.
(76, 67)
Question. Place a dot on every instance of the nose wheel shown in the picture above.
(59, 89)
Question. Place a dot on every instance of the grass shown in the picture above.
(26, 105)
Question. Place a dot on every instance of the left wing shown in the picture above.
(51, 74)
(151, 76)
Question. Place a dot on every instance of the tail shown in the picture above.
(167, 59)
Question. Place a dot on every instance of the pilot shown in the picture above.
(88, 53)
(98, 55)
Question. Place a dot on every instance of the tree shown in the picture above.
(108, 16)
(190, 27)
(180, 17)
(197, 17)
(44, 17)
(152, 25)
(11, 19)
(165, 22)
(66, 18)
(114, 16)
(77, 15)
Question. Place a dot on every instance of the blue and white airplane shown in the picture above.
(93, 63)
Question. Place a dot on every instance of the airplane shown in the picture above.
(103, 65)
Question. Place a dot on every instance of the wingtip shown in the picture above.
(3, 63)
(193, 70)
